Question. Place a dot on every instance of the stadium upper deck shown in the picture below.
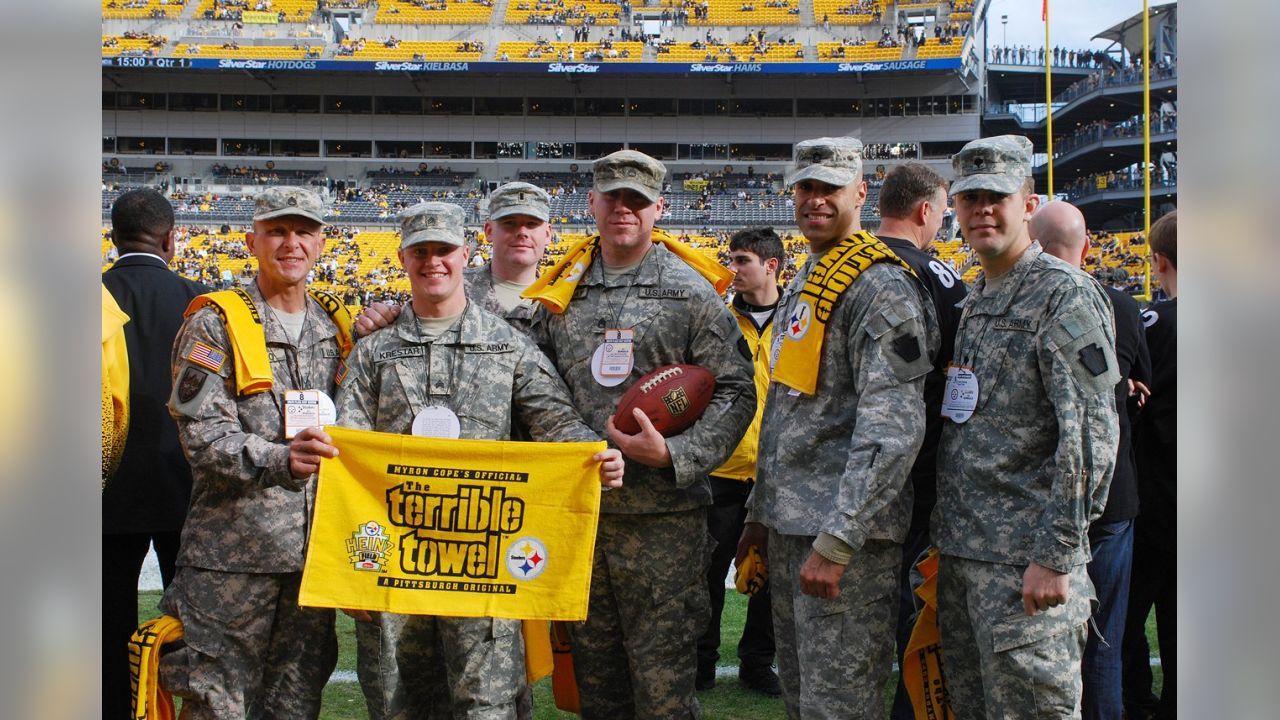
(202, 30)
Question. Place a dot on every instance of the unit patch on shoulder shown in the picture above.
(207, 356)
(1093, 359)
(907, 347)
(189, 384)
(193, 386)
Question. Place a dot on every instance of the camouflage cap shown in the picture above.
(520, 198)
(999, 164)
(432, 222)
(629, 169)
(833, 160)
(279, 201)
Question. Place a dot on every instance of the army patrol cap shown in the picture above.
(833, 160)
(432, 222)
(278, 201)
(629, 169)
(520, 198)
(999, 164)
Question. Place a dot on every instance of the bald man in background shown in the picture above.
(1060, 228)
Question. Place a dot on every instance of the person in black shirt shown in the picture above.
(913, 201)
(1155, 541)
(1060, 229)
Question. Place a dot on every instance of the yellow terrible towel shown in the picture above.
(150, 701)
(248, 339)
(803, 333)
(555, 288)
(538, 662)
(752, 574)
(922, 661)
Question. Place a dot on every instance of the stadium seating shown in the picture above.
(513, 51)
(734, 52)
(828, 51)
(430, 50)
(561, 12)
(932, 48)
(294, 11)
(257, 52)
(437, 12)
(755, 13)
(113, 45)
(847, 12)
(129, 9)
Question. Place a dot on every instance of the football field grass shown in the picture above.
(726, 701)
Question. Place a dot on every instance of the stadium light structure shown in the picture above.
(1004, 31)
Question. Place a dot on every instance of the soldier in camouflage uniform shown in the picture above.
(833, 466)
(449, 357)
(250, 650)
(1027, 456)
(634, 656)
(519, 231)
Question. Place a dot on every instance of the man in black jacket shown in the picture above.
(1060, 229)
(145, 502)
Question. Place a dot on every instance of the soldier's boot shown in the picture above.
(760, 678)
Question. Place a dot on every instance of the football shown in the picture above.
(673, 397)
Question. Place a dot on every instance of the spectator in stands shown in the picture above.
(756, 255)
(145, 503)
(248, 643)
(913, 202)
(1060, 229)
(1155, 440)
(843, 422)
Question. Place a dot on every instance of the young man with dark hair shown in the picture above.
(755, 256)
(843, 422)
(450, 666)
(617, 307)
(1026, 458)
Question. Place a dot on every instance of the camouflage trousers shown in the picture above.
(250, 650)
(835, 656)
(425, 666)
(999, 663)
(635, 655)
(376, 665)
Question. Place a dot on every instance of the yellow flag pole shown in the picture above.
(1146, 140)
(1048, 93)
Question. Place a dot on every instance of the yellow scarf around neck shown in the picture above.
(249, 340)
(554, 289)
(801, 350)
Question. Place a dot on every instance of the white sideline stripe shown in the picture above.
(722, 671)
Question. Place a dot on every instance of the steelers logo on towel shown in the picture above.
(801, 318)
(526, 558)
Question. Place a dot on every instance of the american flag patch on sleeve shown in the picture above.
(207, 357)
